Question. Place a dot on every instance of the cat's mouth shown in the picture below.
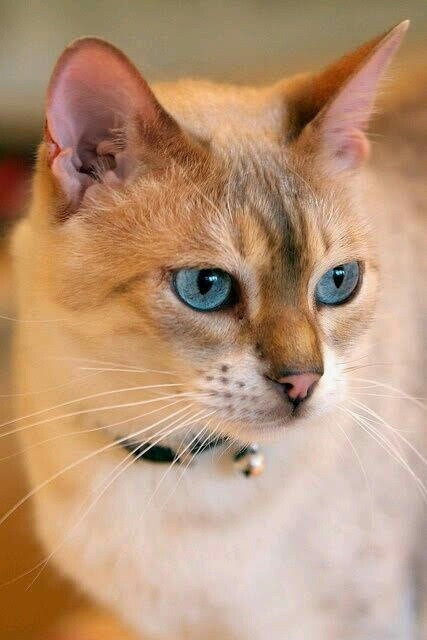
(253, 406)
(268, 425)
(263, 413)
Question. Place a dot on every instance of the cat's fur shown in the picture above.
(268, 185)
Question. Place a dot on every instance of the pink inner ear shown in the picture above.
(351, 149)
(344, 121)
(93, 92)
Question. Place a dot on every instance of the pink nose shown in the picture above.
(298, 385)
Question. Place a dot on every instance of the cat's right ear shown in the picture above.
(100, 113)
(332, 109)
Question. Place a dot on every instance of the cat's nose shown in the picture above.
(298, 386)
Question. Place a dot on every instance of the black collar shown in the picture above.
(248, 459)
(159, 453)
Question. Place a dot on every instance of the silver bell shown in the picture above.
(249, 460)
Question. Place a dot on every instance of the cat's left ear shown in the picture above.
(103, 121)
(334, 107)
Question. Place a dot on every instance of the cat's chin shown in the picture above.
(272, 429)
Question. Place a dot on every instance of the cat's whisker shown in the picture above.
(185, 468)
(374, 422)
(362, 387)
(106, 363)
(83, 399)
(117, 365)
(180, 452)
(394, 390)
(219, 435)
(183, 395)
(116, 370)
(172, 464)
(382, 441)
(42, 563)
(362, 467)
(76, 463)
(93, 429)
(372, 364)
(395, 431)
(190, 461)
(48, 389)
(117, 471)
(232, 442)
(381, 395)
(356, 454)
(39, 320)
(369, 428)
(341, 363)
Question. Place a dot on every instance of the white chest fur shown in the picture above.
(208, 553)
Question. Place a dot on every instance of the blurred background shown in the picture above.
(240, 41)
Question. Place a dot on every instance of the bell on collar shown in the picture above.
(249, 460)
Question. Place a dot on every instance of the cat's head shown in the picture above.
(214, 232)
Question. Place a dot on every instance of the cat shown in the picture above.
(219, 275)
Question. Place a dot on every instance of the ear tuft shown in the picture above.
(94, 94)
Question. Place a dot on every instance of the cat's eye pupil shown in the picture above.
(338, 276)
(205, 280)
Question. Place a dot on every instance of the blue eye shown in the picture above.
(337, 285)
(203, 289)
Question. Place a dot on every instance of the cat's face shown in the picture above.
(242, 264)
(218, 279)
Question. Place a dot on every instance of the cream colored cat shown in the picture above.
(212, 264)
